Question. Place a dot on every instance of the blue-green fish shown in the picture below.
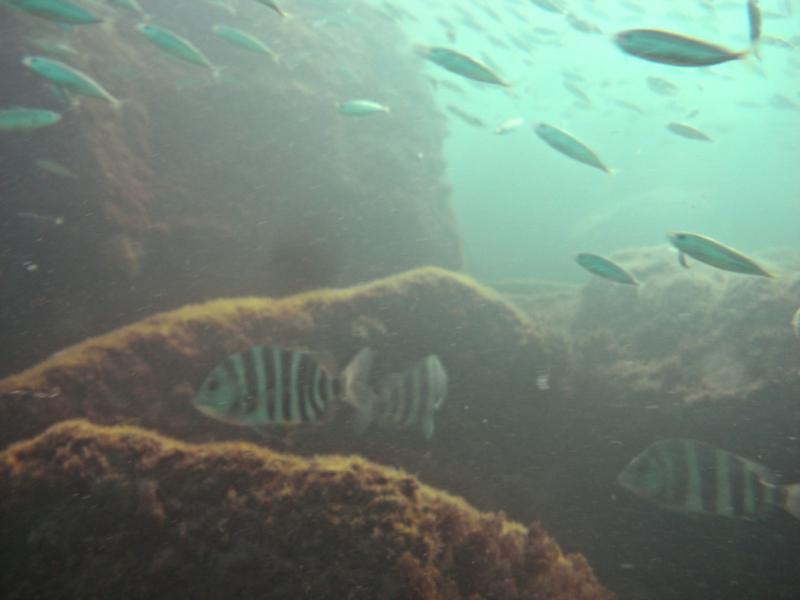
(243, 40)
(25, 119)
(714, 253)
(460, 64)
(605, 268)
(406, 399)
(673, 49)
(688, 132)
(694, 477)
(266, 386)
(68, 78)
(174, 45)
(362, 108)
(57, 11)
(271, 4)
(54, 168)
(569, 146)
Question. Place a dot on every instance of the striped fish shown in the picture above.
(406, 399)
(694, 477)
(276, 386)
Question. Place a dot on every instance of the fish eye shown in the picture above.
(213, 385)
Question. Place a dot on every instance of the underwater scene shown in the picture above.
(400, 299)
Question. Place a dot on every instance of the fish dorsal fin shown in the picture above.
(764, 473)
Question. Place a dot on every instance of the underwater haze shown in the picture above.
(542, 255)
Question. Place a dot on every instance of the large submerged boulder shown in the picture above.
(196, 187)
(129, 514)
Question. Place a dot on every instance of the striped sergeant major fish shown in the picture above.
(406, 399)
(265, 386)
(694, 477)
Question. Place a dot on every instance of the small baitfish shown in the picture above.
(460, 64)
(605, 268)
(57, 11)
(688, 132)
(174, 45)
(25, 119)
(271, 4)
(54, 168)
(796, 323)
(509, 125)
(242, 39)
(673, 49)
(754, 21)
(68, 78)
(362, 108)
(569, 146)
(714, 253)
(406, 399)
(694, 477)
(266, 386)
(464, 116)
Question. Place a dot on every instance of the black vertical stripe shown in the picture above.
(250, 382)
(304, 380)
(737, 474)
(707, 466)
(286, 378)
(320, 402)
(269, 387)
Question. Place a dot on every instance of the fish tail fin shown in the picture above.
(427, 424)
(356, 391)
(792, 502)
(118, 104)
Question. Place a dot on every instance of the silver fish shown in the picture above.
(465, 117)
(569, 146)
(673, 49)
(694, 477)
(605, 268)
(714, 253)
(688, 132)
(460, 64)
(509, 125)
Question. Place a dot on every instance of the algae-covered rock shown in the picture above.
(147, 373)
(687, 336)
(93, 512)
(194, 187)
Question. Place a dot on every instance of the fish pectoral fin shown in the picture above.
(682, 260)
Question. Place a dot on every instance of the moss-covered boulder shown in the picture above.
(125, 513)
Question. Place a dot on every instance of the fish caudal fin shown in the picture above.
(427, 425)
(792, 502)
(356, 391)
